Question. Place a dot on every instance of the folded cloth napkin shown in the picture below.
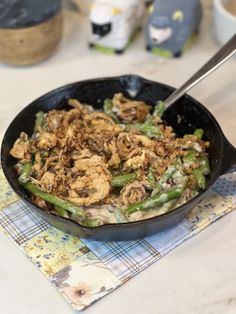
(85, 270)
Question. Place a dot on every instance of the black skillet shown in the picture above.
(184, 116)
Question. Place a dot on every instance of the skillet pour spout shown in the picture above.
(185, 115)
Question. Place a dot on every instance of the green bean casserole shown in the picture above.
(118, 165)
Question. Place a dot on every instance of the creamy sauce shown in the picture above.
(197, 148)
(230, 6)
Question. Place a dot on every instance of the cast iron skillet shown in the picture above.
(184, 116)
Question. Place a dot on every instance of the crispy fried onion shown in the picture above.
(130, 110)
(127, 142)
(90, 182)
(21, 148)
(112, 150)
(46, 140)
(139, 158)
(133, 193)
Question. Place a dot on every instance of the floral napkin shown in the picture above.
(84, 270)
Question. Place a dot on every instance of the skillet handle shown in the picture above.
(229, 158)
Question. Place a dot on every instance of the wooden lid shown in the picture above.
(26, 13)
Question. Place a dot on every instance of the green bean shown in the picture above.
(199, 178)
(165, 177)
(72, 208)
(38, 121)
(120, 217)
(202, 161)
(61, 211)
(26, 171)
(166, 207)
(159, 109)
(91, 222)
(123, 179)
(204, 165)
(190, 158)
(27, 168)
(147, 129)
(155, 201)
(107, 107)
(149, 119)
(199, 133)
(151, 177)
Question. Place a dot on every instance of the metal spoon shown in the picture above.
(216, 61)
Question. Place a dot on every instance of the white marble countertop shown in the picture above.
(199, 277)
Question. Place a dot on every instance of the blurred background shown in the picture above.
(208, 264)
(73, 60)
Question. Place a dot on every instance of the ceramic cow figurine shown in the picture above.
(113, 22)
(171, 26)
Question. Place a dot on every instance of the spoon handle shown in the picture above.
(217, 60)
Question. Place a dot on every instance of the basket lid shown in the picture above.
(26, 13)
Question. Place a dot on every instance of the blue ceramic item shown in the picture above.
(171, 25)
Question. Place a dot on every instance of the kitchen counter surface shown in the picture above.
(199, 277)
